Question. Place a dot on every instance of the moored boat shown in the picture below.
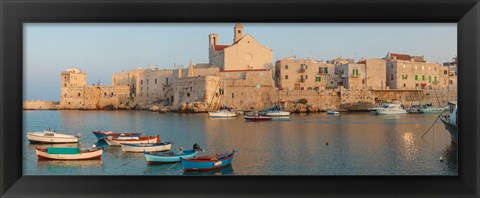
(450, 121)
(223, 112)
(172, 157)
(68, 153)
(105, 134)
(146, 147)
(332, 112)
(208, 162)
(50, 136)
(415, 109)
(131, 140)
(276, 112)
(390, 109)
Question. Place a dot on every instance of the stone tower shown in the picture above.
(238, 32)
(72, 83)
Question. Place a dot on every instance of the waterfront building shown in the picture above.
(244, 54)
(75, 94)
(414, 72)
(304, 74)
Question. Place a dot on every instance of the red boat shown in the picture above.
(105, 134)
(258, 118)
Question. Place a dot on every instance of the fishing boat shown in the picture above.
(391, 109)
(172, 157)
(50, 136)
(68, 153)
(450, 121)
(146, 147)
(276, 112)
(224, 112)
(208, 162)
(428, 108)
(104, 134)
(333, 112)
(117, 141)
(415, 109)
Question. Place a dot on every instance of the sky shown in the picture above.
(101, 49)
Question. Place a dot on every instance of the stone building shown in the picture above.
(304, 74)
(414, 72)
(75, 94)
(245, 53)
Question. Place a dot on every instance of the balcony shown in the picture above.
(301, 80)
(301, 70)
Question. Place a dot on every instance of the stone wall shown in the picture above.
(40, 105)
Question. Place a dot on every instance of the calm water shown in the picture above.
(359, 143)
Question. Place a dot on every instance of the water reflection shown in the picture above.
(228, 170)
(450, 157)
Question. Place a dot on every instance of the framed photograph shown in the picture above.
(254, 99)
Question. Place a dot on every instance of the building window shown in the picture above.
(429, 79)
(429, 68)
(147, 81)
(435, 79)
(355, 72)
(416, 77)
(423, 77)
(190, 88)
(404, 85)
(167, 80)
(435, 68)
(188, 94)
(65, 84)
(404, 66)
(141, 82)
(404, 76)
(450, 82)
(306, 66)
(65, 77)
(286, 77)
(233, 95)
(318, 79)
(141, 88)
(306, 76)
(79, 95)
(445, 72)
(286, 66)
(391, 77)
(416, 67)
(155, 81)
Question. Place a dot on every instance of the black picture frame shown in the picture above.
(466, 13)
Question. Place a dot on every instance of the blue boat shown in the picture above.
(205, 163)
(171, 157)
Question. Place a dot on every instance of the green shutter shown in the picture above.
(416, 77)
(435, 79)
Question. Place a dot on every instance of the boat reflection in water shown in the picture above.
(227, 170)
(69, 163)
(101, 144)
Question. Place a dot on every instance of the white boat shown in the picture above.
(222, 113)
(146, 147)
(68, 153)
(450, 121)
(117, 141)
(50, 136)
(332, 112)
(390, 109)
(277, 113)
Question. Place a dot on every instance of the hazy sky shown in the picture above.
(102, 49)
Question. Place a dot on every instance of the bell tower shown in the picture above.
(238, 32)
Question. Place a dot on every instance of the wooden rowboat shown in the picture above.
(68, 153)
(204, 163)
(104, 134)
(50, 136)
(147, 147)
(171, 157)
(116, 141)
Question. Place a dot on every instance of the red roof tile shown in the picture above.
(221, 47)
(401, 56)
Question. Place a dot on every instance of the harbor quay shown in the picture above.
(243, 75)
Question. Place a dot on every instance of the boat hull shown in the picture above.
(163, 159)
(40, 138)
(102, 135)
(199, 164)
(140, 148)
(91, 155)
(277, 113)
(118, 142)
(222, 114)
(451, 128)
(386, 112)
